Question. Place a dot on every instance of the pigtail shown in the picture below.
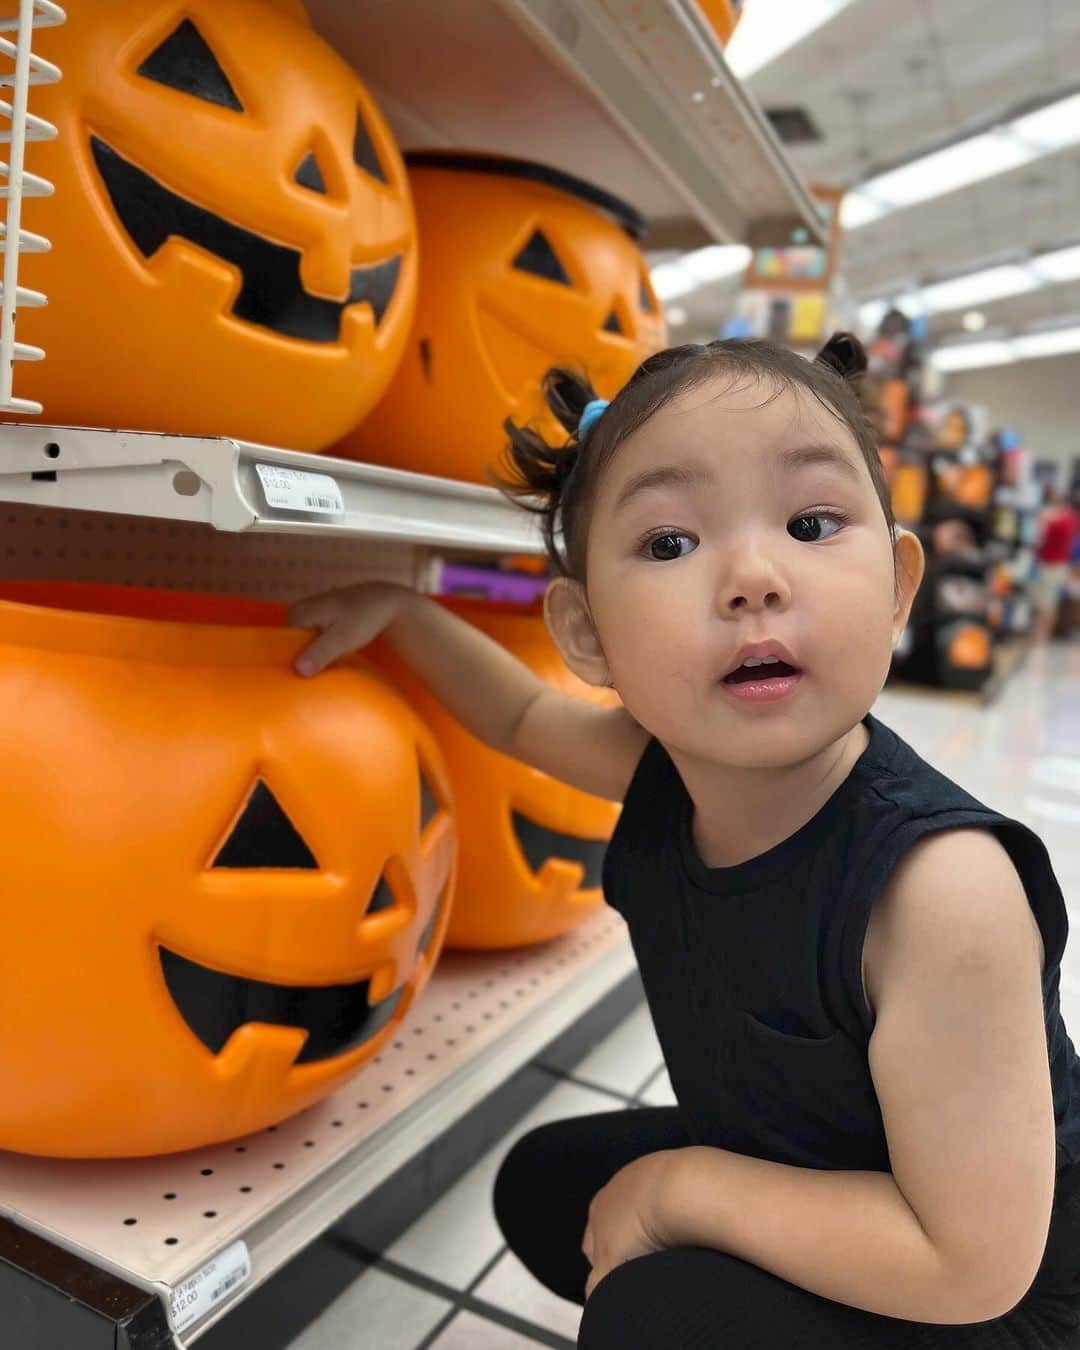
(567, 393)
(535, 474)
(845, 354)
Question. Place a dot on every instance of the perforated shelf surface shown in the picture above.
(156, 1221)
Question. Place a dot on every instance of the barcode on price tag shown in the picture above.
(295, 490)
(199, 1293)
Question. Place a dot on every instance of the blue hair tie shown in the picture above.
(590, 415)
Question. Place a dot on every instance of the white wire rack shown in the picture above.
(18, 127)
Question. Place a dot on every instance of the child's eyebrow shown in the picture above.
(664, 475)
(698, 475)
(812, 456)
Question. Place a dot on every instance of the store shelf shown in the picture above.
(215, 481)
(633, 95)
(481, 1018)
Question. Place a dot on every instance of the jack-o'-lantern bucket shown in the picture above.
(233, 239)
(224, 884)
(531, 848)
(723, 17)
(522, 268)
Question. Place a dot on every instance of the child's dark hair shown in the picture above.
(559, 482)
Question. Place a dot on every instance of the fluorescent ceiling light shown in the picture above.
(676, 315)
(1055, 342)
(1052, 127)
(978, 288)
(860, 207)
(974, 321)
(971, 355)
(1024, 347)
(698, 268)
(1063, 265)
(770, 27)
(969, 161)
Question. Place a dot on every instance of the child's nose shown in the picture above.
(753, 584)
(770, 600)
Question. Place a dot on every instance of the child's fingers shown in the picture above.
(315, 611)
(326, 648)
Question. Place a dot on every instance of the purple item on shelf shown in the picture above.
(511, 587)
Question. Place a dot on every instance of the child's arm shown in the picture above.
(956, 1231)
(487, 689)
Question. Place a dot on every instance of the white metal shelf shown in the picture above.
(482, 1017)
(633, 95)
(214, 481)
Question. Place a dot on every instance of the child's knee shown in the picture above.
(668, 1300)
(519, 1180)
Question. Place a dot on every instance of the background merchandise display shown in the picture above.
(787, 291)
(255, 879)
(234, 227)
(943, 471)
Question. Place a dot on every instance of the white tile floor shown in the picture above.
(1020, 756)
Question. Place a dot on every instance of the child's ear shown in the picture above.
(910, 565)
(566, 612)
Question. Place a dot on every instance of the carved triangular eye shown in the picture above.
(309, 174)
(264, 836)
(429, 802)
(382, 899)
(645, 298)
(365, 156)
(538, 258)
(612, 323)
(185, 62)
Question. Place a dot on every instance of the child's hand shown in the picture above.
(349, 619)
(624, 1217)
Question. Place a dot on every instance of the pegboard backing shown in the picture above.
(49, 544)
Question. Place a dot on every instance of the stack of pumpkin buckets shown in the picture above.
(225, 885)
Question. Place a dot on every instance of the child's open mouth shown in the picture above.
(768, 668)
(761, 679)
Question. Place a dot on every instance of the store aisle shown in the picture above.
(450, 1284)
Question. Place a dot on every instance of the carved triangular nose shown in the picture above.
(309, 174)
(264, 836)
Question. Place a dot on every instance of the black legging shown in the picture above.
(695, 1298)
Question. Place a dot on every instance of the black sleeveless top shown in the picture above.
(753, 972)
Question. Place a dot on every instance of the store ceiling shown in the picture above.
(887, 82)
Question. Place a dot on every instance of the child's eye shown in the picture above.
(667, 547)
(815, 525)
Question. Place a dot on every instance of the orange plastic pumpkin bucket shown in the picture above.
(232, 223)
(522, 268)
(224, 884)
(531, 848)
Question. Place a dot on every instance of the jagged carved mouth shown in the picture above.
(271, 294)
(539, 844)
(337, 1018)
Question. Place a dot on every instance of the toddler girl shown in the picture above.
(852, 965)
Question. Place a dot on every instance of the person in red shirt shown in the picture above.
(1059, 531)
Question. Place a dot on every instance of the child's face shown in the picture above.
(761, 522)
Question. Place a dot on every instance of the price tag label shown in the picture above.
(204, 1290)
(295, 490)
